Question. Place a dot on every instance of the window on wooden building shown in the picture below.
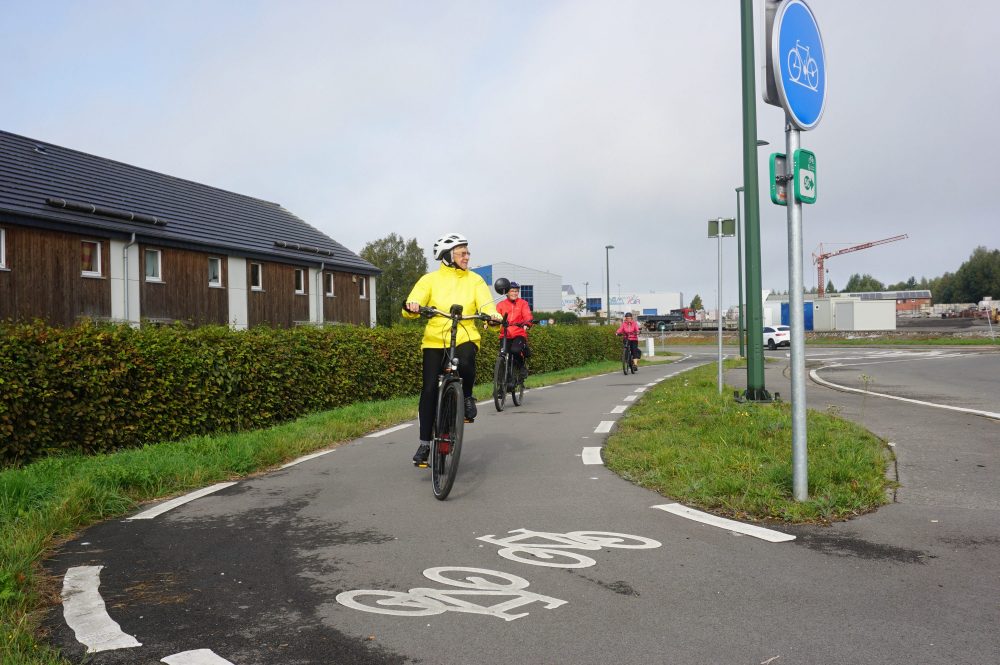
(214, 271)
(256, 277)
(328, 277)
(3, 248)
(153, 265)
(363, 286)
(90, 258)
(300, 281)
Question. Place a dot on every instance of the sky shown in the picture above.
(541, 130)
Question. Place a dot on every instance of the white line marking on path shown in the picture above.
(592, 456)
(87, 615)
(620, 408)
(605, 426)
(631, 398)
(639, 390)
(391, 430)
(836, 386)
(196, 657)
(305, 458)
(179, 501)
(723, 523)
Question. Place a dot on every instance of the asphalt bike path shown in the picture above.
(348, 558)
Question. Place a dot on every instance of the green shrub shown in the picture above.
(97, 388)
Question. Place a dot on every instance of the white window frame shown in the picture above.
(363, 287)
(300, 282)
(260, 277)
(159, 265)
(330, 285)
(217, 283)
(3, 248)
(92, 273)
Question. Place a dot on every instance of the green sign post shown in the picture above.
(805, 176)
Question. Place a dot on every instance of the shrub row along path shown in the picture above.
(347, 558)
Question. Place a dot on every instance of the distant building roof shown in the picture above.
(863, 295)
(568, 289)
(63, 188)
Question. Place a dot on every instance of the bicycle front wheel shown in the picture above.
(447, 445)
(517, 392)
(499, 382)
(626, 359)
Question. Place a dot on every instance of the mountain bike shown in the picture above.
(449, 417)
(627, 365)
(507, 375)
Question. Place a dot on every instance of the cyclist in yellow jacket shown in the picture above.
(451, 284)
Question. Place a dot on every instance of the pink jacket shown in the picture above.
(630, 329)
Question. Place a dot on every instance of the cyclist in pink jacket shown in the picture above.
(630, 329)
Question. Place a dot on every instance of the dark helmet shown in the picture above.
(514, 285)
(628, 315)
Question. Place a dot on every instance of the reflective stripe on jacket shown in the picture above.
(517, 311)
(443, 288)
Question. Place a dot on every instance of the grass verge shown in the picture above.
(50, 499)
(687, 442)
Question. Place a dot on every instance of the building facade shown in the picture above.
(86, 237)
(542, 290)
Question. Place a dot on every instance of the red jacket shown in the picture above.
(630, 329)
(517, 312)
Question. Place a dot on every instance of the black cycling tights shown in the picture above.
(466, 354)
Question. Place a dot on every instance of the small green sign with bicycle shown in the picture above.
(805, 176)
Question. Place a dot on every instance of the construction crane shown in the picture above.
(819, 258)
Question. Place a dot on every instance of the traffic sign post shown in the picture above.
(797, 83)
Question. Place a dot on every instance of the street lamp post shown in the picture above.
(739, 272)
(607, 283)
(586, 297)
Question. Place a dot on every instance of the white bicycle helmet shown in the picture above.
(445, 244)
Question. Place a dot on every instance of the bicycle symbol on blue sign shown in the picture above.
(800, 64)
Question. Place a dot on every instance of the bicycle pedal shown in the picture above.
(421, 465)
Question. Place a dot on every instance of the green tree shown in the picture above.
(863, 283)
(829, 286)
(402, 263)
(978, 277)
(696, 303)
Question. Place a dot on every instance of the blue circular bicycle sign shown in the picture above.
(799, 63)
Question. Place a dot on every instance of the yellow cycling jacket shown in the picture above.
(442, 289)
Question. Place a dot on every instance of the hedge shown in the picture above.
(97, 388)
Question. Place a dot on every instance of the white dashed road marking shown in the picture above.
(179, 501)
(305, 458)
(604, 427)
(392, 429)
(721, 522)
(87, 615)
(620, 408)
(631, 398)
(592, 456)
(196, 657)
(639, 390)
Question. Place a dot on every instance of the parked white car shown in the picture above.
(775, 336)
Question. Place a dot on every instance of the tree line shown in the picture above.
(977, 278)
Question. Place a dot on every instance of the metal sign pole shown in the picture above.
(718, 311)
(800, 481)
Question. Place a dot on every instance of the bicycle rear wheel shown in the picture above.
(447, 445)
(500, 382)
(517, 392)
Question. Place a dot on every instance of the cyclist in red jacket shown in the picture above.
(630, 329)
(517, 311)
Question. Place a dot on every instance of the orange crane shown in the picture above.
(822, 256)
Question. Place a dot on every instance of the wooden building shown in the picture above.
(83, 236)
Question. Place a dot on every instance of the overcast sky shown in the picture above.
(543, 131)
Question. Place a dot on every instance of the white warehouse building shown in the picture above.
(542, 290)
